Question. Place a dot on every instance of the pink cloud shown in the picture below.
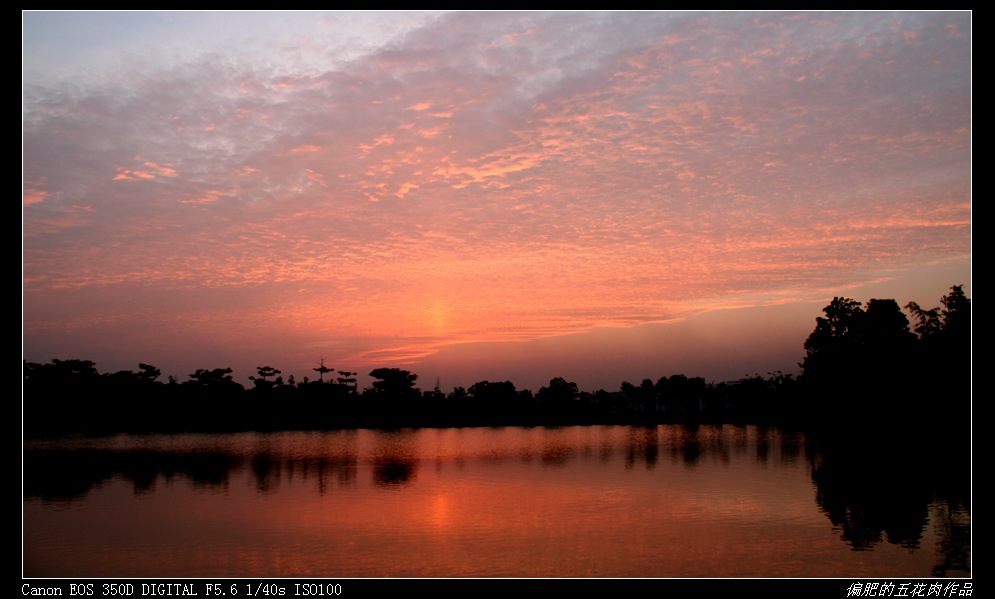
(584, 171)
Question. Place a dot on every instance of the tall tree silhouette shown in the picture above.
(867, 361)
(322, 370)
(956, 315)
(831, 347)
(943, 356)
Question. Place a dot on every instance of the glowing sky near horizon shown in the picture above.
(484, 195)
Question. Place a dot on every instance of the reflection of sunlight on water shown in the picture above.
(441, 512)
(571, 501)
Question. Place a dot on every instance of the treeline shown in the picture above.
(868, 363)
(863, 364)
(68, 396)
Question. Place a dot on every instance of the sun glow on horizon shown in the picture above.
(525, 181)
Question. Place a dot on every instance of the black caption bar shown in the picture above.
(332, 588)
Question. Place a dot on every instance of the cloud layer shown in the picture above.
(480, 177)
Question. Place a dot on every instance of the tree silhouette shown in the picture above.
(943, 356)
(861, 364)
(322, 370)
(347, 379)
(497, 391)
(149, 373)
(559, 390)
(262, 381)
(929, 324)
(394, 383)
(952, 322)
(207, 378)
(956, 314)
(830, 347)
(888, 345)
(869, 362)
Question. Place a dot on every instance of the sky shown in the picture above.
(599, 196)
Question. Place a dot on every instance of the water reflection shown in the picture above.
(395, 460)
(682, 501)
(886, 490)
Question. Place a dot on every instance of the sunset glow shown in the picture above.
(484, 195)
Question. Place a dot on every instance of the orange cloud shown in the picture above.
(34, 196)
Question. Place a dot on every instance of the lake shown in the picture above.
(666, 501)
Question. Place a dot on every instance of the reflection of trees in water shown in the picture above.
(68, 475)
(881, 488)
(63, 476)
(266, 471)
(270, 469)
(872, 488)
(860, 504)
(643, 445)
(791, 445)
(555, 455)
(391, 472)
(394, 462)
(865, 496)
(690, 444)
(955, 539)
(685, 445)
(763, 445)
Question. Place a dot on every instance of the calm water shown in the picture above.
(606, 501)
